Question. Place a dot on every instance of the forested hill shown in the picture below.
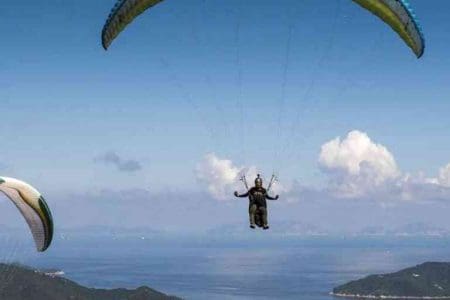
(18, 283)
(430, 280)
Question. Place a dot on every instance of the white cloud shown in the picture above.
(444, 176)
(220, 175)
(356, 165)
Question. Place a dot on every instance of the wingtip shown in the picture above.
(104, 45)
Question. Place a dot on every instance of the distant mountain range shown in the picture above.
(299, 229)
(110, 232)
(19, 283)
(427, 281)
(408, 230)
(282, 229)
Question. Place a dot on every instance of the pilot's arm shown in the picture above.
(271, 198)
(242, 195)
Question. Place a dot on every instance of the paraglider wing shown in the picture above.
(398, 15)
(33, 208)
(123, 13)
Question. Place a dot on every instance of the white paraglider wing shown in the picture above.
(33, 208)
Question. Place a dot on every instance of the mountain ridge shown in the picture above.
(430, 280)
(19, 282)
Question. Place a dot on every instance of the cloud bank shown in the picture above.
(355, 167)
(358, 168)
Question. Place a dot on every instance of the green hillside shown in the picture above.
(18, 283)
(431, 279)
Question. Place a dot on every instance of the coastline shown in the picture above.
(340, 295)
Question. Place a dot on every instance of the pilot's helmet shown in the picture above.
(258, 181)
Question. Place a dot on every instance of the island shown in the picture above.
(430, 280)
(19, 282)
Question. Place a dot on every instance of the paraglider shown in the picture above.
(257, 196)
(33, 208)
(396, 13)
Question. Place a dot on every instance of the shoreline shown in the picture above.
(357, 296)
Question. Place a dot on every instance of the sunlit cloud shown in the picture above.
(358, 168)
(355, 165)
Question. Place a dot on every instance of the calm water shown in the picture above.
(300, 270)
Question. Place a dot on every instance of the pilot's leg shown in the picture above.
(264, 216)
(252, 211)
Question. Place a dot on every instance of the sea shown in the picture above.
(273, 269)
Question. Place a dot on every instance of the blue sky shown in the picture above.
(187, 79)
